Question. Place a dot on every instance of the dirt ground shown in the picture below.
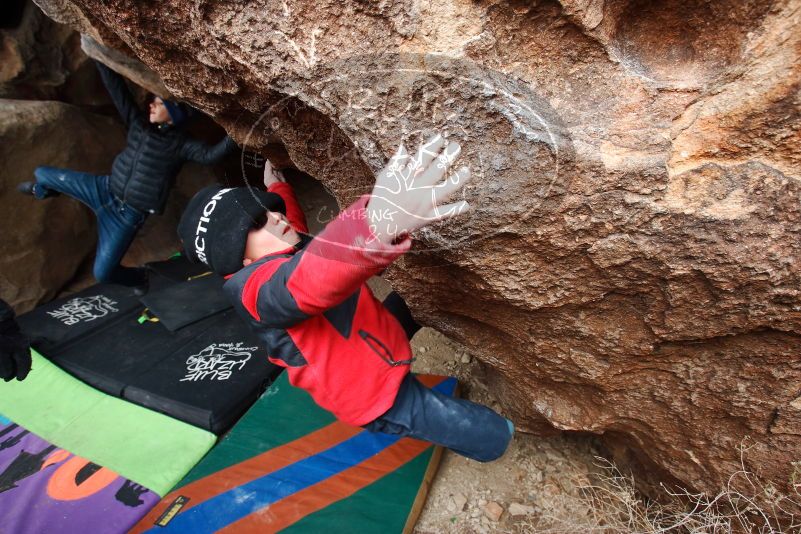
(536, 477)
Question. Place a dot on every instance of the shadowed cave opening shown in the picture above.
(12, 13)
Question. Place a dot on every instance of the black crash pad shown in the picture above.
(63, 321)
(210, 380)
(187, 302)
(199, 373)
(176, 269)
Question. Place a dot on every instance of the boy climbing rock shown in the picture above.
(140, 179)
(308, 299)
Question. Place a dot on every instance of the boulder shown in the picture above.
(632, 262)
(127, 66)
(41, 59)
(36, 54)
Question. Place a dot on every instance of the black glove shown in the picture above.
(15, 349)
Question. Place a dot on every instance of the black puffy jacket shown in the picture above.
(143, 173)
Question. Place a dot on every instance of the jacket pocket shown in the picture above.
(383, 352)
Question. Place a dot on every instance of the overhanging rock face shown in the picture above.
(632, 264)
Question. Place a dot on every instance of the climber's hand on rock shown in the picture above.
(271, 174)
(412, 190)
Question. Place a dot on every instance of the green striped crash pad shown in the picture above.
(150, 449)
(289, 466)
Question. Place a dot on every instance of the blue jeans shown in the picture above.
(117, 222)
(465, 427)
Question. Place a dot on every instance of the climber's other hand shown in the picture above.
(271, 174)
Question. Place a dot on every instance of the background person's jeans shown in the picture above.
(117, 222)
(465, 427)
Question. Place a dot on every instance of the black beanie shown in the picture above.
(179, 113)
(215, 225)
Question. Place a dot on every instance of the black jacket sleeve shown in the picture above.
(119, 92)
(200, 152)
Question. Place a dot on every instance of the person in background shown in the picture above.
(140, 180)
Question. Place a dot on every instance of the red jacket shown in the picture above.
(311, 307)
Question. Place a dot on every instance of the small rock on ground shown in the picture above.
(459, 501)
(493, 511)
(518, 510)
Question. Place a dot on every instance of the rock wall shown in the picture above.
(632, 263)
(42, 60)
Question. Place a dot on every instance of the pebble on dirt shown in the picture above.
(493, 511)
(518, 510)
(459, 501)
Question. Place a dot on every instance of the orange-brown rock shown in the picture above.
(632, 263)
(39, 58)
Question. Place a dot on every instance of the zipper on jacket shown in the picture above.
(133, 167)
(382, 350)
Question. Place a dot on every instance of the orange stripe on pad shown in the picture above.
(295, 507)
(224, 480)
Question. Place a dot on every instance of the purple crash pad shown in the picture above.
(47, 489)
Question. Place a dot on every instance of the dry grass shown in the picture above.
(607, 503)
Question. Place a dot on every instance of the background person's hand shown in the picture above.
(412, 191)
(271, 174)
(15, 349)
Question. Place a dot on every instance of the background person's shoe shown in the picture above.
(26, 188)
(30, 188)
